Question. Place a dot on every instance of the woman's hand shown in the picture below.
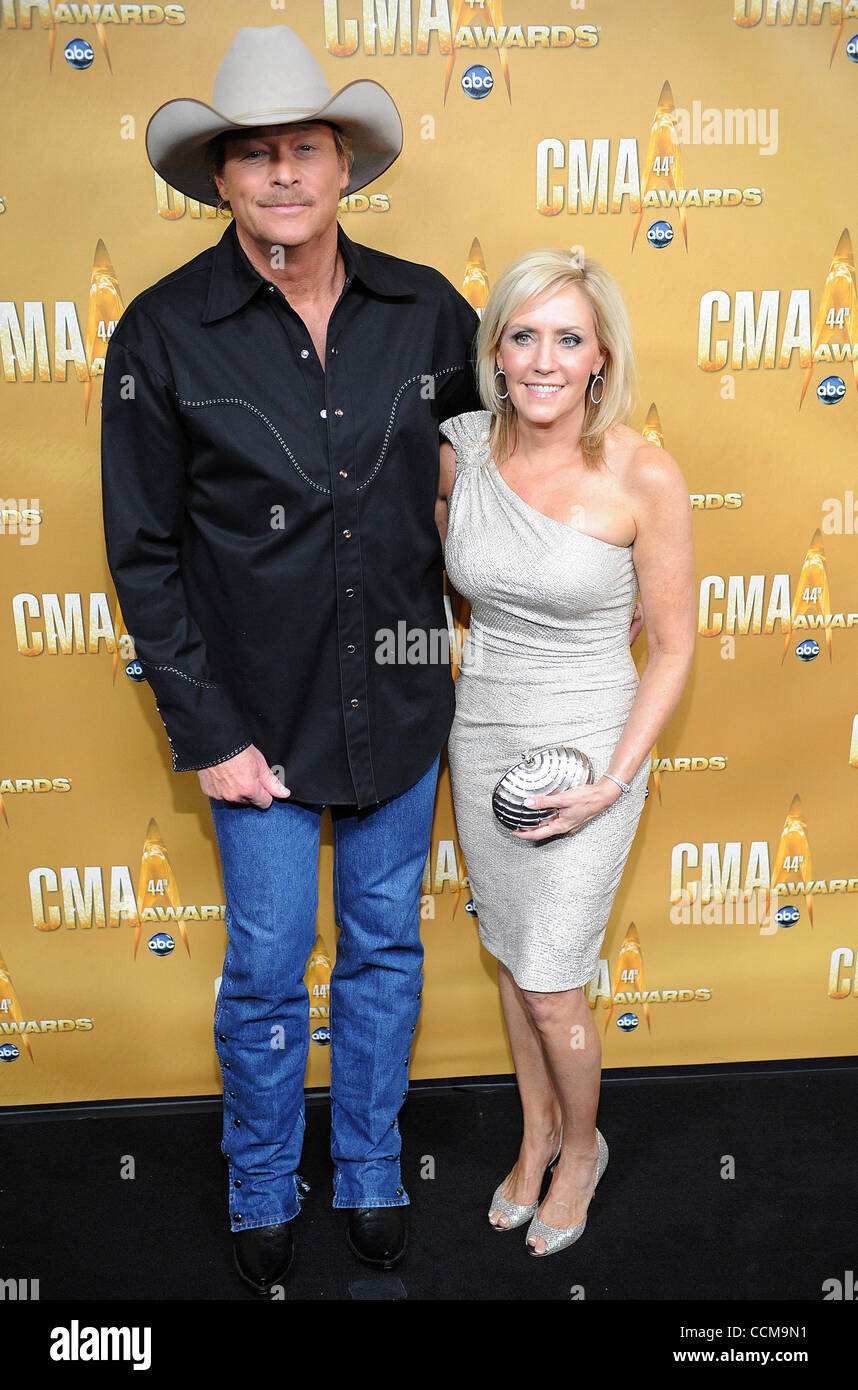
(574, 808)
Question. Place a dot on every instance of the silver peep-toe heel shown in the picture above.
(517, 1215)
(557, 1239)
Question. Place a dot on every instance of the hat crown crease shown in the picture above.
(255, 74)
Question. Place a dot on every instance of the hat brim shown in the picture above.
(179, 131)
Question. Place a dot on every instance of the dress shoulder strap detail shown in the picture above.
(469, 435)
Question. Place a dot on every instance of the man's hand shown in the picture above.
(246, 779)
(637, 622)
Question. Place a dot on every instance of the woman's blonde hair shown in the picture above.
(545, 272)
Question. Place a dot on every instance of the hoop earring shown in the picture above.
(500, 372)
(597, 377)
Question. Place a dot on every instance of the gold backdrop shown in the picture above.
(704, 151)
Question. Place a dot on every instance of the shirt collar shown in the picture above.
(234, 280)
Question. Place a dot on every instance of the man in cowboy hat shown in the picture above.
(270, 462)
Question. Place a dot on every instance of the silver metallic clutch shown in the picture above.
(542, 772)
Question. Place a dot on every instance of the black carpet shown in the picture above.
(664, 1224)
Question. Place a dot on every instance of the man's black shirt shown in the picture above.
(266, 520)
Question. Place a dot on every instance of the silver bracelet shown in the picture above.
(625, 785)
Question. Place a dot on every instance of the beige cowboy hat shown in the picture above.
(269, 77)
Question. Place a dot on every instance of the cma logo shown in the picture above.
(92, 898)
(56, 625)
(753, 605)
(20, 15)
(762, 337)
(842, 975)
(719, 874)
(394, 27)
(590, 186)
(445, 870)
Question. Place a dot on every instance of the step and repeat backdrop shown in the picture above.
(703, 151)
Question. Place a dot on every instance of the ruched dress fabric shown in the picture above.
(546, 662)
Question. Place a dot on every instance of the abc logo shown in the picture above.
(321, 1035)
(161, 944)
(660, 234)
(808, 649)
(477, 81)
(787, 916)
(627, 1022)
(852, 48)
(8, 1052)
(78, 53)
(470, 907)
(831, 390)
(134, 671)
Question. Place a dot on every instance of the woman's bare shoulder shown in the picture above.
(637, 461)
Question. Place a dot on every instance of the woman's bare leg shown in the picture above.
(572, 1053)
(540, 1106)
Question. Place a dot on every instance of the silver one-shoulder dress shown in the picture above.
(546, 662)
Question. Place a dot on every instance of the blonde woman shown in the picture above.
(554, 514)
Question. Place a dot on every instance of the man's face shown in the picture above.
(283, 182)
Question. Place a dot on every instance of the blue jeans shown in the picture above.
(270, 874)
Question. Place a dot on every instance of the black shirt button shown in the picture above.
(222, 1037)
(236, 1123)
(232, 1093)
(334, 351)
(228, 1066)
(305, 352)
(354, 704)
(238, 1216)
(237, 1182)
(399, 1192)
(343, 473)
(350, 593)
(350, 648)
(338, 412)
(347, 534)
